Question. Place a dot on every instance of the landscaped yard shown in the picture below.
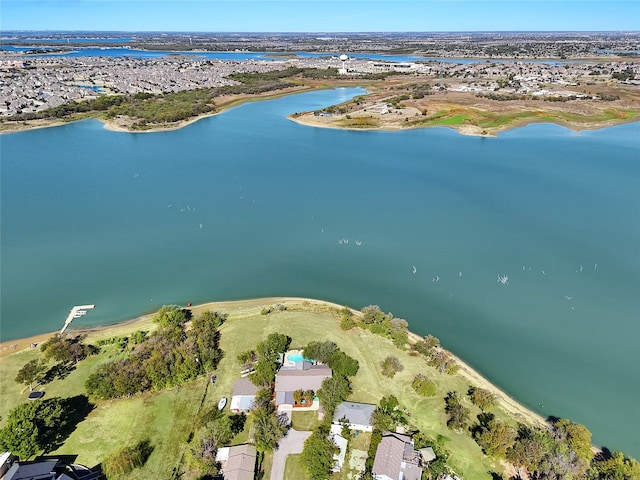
(167, 418)
(304, 421)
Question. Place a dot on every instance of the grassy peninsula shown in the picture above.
(167, 420)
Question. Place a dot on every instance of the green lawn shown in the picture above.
(304, 421)
(293, 469)
(167, 417)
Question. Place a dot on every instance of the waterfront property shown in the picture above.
(306, 377)
(396, 459)
(274, 210)
(357, 416)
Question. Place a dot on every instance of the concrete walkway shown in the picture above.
(292, 443)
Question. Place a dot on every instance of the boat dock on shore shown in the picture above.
(76, 312)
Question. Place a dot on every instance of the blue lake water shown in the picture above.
(265, 56)
(249, 204)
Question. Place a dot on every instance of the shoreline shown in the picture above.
(252, 306)
(308, 119)
(469, 130)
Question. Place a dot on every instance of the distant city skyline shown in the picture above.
(320, 16)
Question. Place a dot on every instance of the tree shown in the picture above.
(616, 467)
(334, 391)
(297, 396)
(529, 448)
(273, 346)
(172, 315)
(481, 398)
(216, 319)
(388, 415)
(31, 373)
(426, 345)
(320, 351)
(493, 436)
(317, 455)
(391, 366)
(424, 386)
(267, 428)
(62, 349)
(458, 414)
(342, 364)
(247, 359)
(33, 426)
(578, 438)
(265, 372)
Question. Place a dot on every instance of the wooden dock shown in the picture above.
(76, 312)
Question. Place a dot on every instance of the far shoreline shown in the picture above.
(309, 120)
(518, 410)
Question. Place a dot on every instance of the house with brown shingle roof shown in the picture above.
(396, 459)
(241, 464)
(307, 377)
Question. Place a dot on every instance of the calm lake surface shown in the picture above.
(249, 204)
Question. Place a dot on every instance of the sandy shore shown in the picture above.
(243, 308)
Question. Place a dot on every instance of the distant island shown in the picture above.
(147, 399)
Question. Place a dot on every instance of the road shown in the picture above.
(291, 444)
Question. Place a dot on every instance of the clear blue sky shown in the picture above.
(320, 16)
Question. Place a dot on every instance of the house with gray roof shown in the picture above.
(396, 459)
(307, 377)
(244, 393)
(356, 415)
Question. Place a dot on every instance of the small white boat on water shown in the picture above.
(222, 403)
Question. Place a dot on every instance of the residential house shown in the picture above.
(356, 415)
(241, 463)
(303, 376)
(244, 393)
(396, 459)
(48, 469)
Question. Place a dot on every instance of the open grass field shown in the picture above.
(167, 418)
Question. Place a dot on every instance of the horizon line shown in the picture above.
(5, 30)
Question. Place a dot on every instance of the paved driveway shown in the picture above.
(291, 444)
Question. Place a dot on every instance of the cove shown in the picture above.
(249, 204)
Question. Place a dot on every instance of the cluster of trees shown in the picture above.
(386, 325)
(436, 356)
(64, 351)
(43, 425)
(317, 455)
(457, 413)
(264, 359)
(214, 430)
(561, 451)
(169, 356)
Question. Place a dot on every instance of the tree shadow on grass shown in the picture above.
(59, 371)
(76, 409)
